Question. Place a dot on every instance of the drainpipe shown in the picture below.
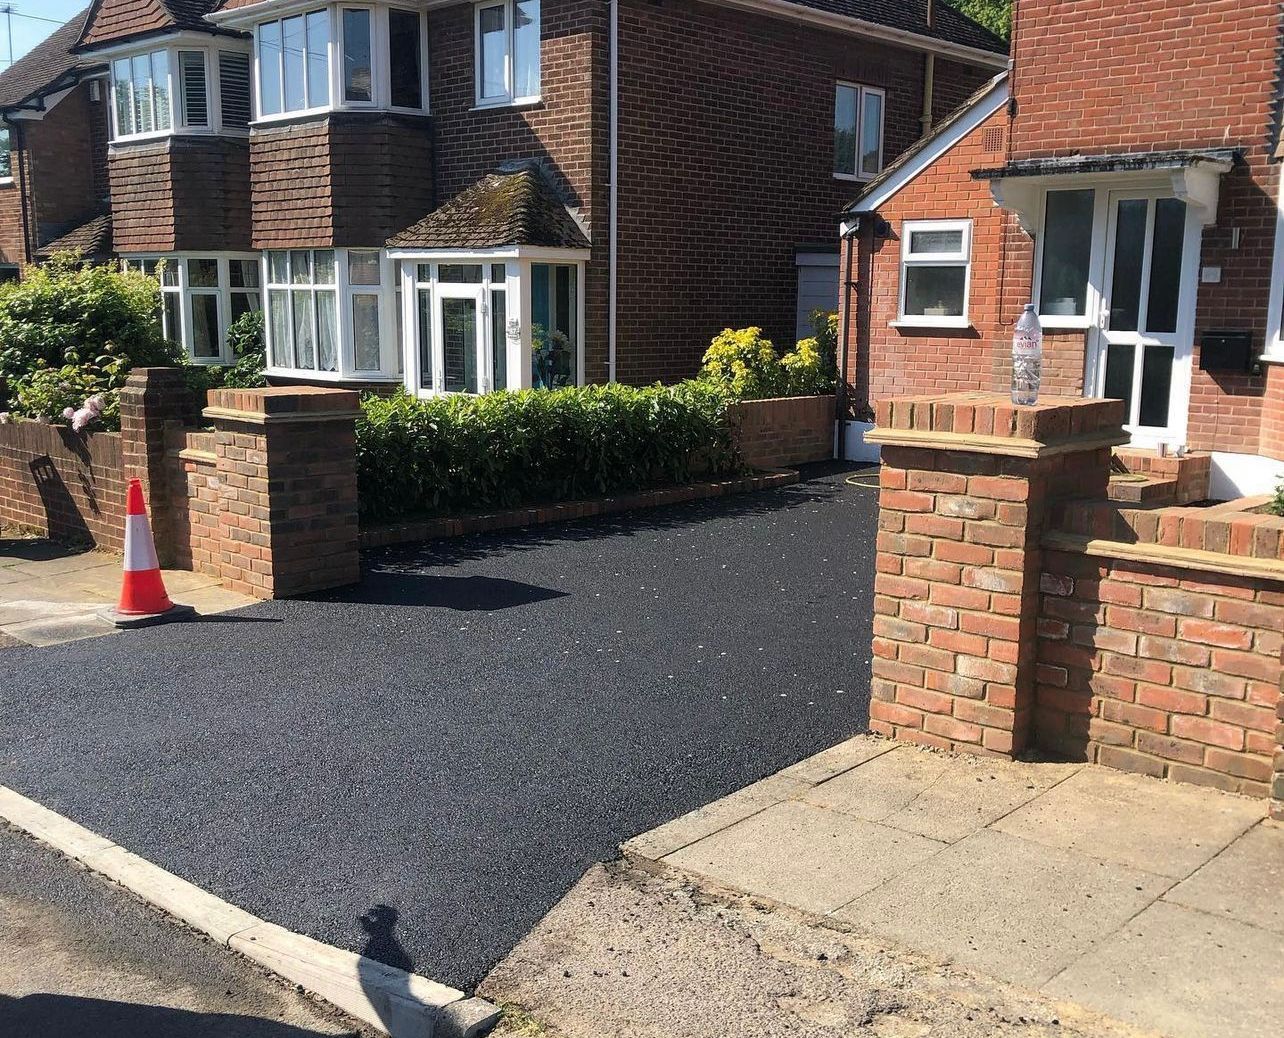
(614, 217)
(929, 86)
(848, 240)
(18, 130)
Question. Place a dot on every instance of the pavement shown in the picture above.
(453, 743)
(50, 594)
(1154, 904)
(80, 957)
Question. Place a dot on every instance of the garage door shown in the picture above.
(817, 287)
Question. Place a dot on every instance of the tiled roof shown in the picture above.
(510, 207)
(113, 20)
(43, 65)
(911, 16)
(92, 239)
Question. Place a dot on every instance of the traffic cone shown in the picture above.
(143, 599)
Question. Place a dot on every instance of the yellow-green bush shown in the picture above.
(745, 364)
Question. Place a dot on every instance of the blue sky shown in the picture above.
(30, 25)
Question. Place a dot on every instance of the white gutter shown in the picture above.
(614, 187)
(872, 30)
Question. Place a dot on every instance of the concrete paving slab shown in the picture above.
(1165, 828)
(55, 630)
(1244, 882)
(805, 856)
(210, 599)
(714, 817)
(1184, 973)
(1017, 910)
(840, 758)
(881, 786)
(67, 563)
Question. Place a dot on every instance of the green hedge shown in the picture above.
(502, 450)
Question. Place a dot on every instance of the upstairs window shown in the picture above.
(507, 52)
(140, 85)
(405, 59)
(234, 88)
(192, 89)
(294, 63)
(858, 131)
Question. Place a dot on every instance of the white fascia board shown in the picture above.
(160, 41)
(531, 252)
(268, 10)
(869, 30)
(981, 110)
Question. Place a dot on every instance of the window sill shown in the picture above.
(929, 323)
(855, 178)
(521, 102)
(6, 181)
(1063, 323)
(331, 376)
(1271, 358)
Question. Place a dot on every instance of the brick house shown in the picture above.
(462, 195)
(1138, 205)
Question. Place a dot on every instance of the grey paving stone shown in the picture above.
(837, 759)
(1244, 882)
(882, 786)
(1017, 910)
(1184, 973)
(55, 630)
(805, 856)
(1165, 828)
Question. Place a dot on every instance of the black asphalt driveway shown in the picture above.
(461, 736)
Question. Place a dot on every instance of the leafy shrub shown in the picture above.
(245, 337)
(45, 394)
(1276, 504)
(744, 363)
(811, 368)
(461, 453)
(66, 315)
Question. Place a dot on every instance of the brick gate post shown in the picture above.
(287, 474)
(152, 400)
(966, 488)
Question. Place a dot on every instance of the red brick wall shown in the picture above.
(1169, 672)
(1273, 413)
(193, 488)
(181, 193)
(12, 247)
(726, 164)
(67, 486)
(783, 432)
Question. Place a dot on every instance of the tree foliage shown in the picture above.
(995, 15)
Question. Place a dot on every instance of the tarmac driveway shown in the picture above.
(464, 734)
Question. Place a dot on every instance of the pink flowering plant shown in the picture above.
(82, 395)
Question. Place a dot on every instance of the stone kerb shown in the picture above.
(966, 488)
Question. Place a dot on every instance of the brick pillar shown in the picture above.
(287, 474)
(966, 487)
(152, 400)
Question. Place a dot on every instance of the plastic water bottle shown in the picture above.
(1027, 358)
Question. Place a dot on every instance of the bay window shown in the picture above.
(175, 89)
(342, 57)
(935, 262)
(507, 51)
(201, 296)
(858, 131)
(330, 312)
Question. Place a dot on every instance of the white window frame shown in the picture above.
(961, 258)
(509, 98)
(861, 90)
(517, 304)
(6, 147)
(178, 116)
(380, 64)
(1273, 352)
(347, 370)
(182, 287)
(1096, 259)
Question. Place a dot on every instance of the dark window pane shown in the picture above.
(403, 51)
(244, 303)
(934, 291)
(1165, 266)
(365, 330)
(1156, 384)
(172, 303)
(1067, 249)
(357, 77)
(871, 135)
(459, 344)
(202, 272)
(206, 340)
(845, 99)
(425, 339)
(1119, 373)
(499, 337)
(459, 273)
(1130, 247)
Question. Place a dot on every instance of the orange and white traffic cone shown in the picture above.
(143, 599)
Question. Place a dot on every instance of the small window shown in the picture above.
(358, 70)
(234, 88)
(935, 258)
(6, 155)
(191, 86)
(405, 59)
(508, 51)
(141, 88)
(1066, 251)
(858, 131)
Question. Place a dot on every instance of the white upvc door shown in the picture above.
(459, 314)
(1142, 336)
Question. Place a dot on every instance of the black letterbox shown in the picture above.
(1224, 350)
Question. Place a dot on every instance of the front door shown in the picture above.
(1142, 341)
